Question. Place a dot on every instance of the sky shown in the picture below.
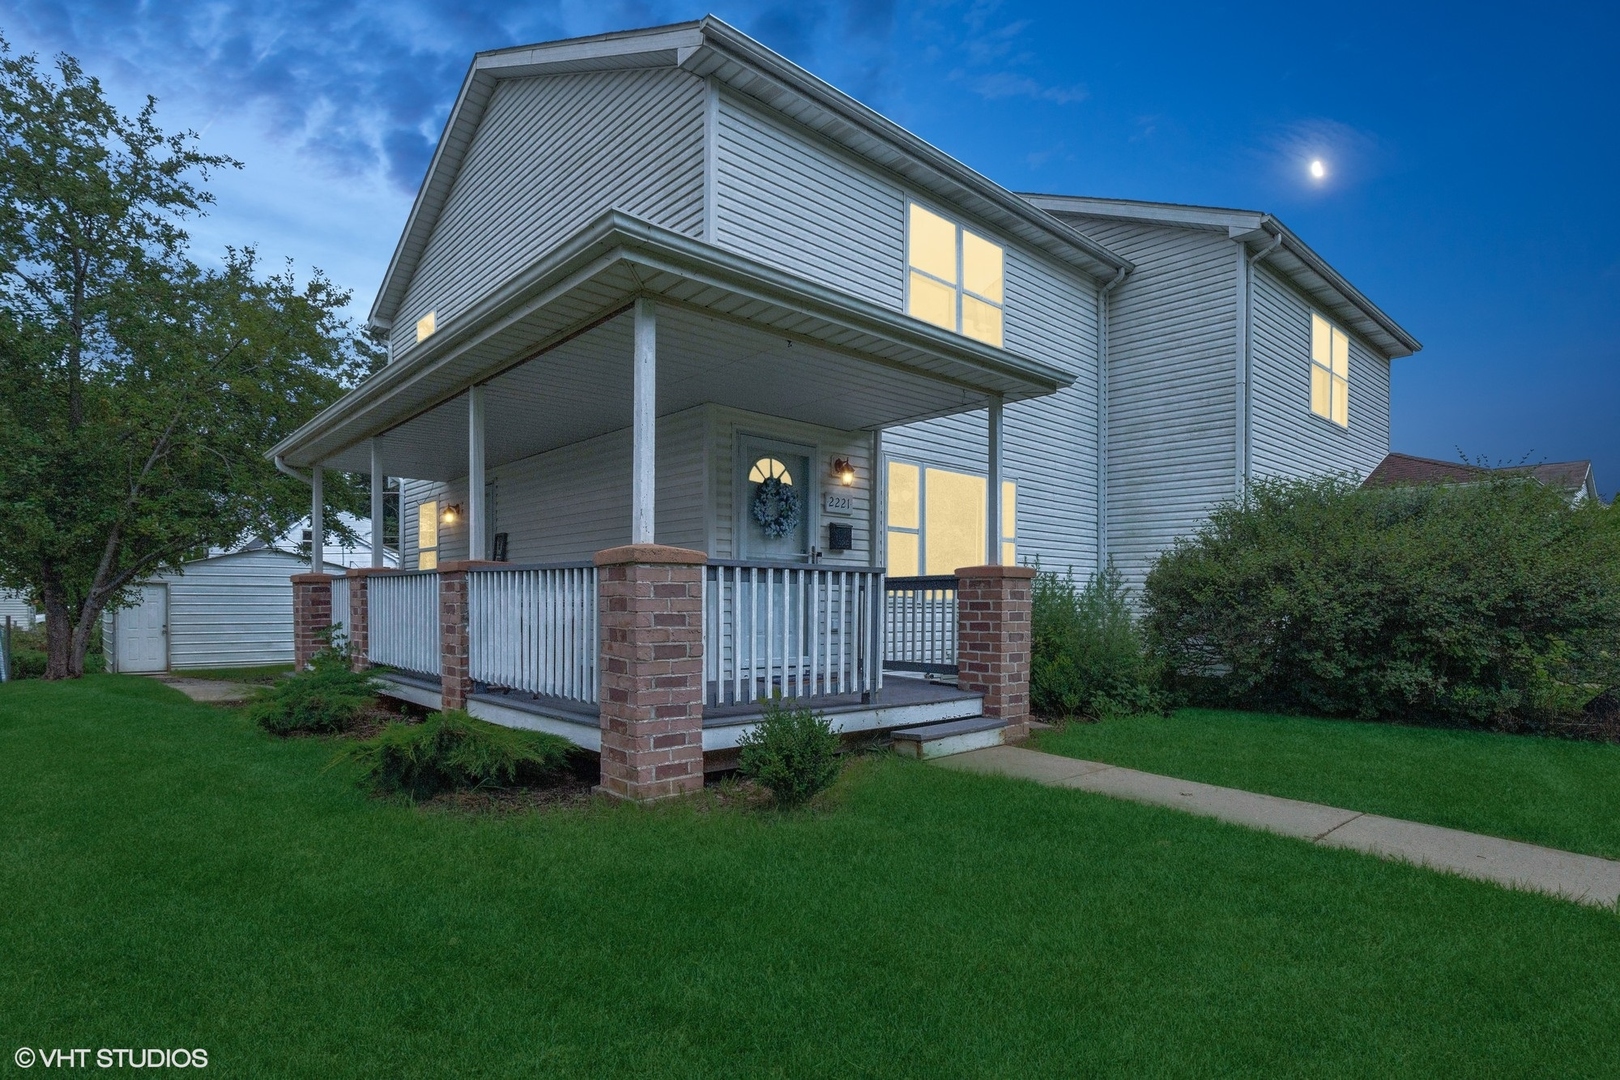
(1470, 150)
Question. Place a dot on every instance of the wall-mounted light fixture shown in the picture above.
(843, 471)
(452, 513)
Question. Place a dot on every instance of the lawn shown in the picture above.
(1558, 792)
(175, 878)
(262, 675)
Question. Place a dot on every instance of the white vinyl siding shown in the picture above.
(1172, 397)
(18, 607)
(1287, 439)
(552, 153)
(572, 502)
(785, 198)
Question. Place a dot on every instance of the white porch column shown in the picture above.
(644, 424)
(992, 528)
(477, 543)
(378, 483)
(317, 522)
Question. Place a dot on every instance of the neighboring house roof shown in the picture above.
(1574, 477)
(1293, 257)
(709, 48)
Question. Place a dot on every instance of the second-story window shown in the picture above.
(955, 277)
(1330, 371)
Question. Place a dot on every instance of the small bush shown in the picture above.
(1087, 657)
(1495, 603)
(452, 751)
(792, 753)
(28, 652)
(327, 698)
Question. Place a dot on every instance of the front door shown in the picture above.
(777, 493)
(141, 633)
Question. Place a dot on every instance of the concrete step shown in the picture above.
(951, 737)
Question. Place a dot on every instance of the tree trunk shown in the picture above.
(89, 623)
(58, 634)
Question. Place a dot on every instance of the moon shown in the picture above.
(1318, 170)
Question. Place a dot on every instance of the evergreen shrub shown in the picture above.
(792, 753)
(452, 751)
(1087, 657)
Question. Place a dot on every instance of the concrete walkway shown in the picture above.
(209, 691)
(1583, 878)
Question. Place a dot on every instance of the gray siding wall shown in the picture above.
(552, 153)
(786, 198)
(1172, 398)
(1287, 438)
(572, 502)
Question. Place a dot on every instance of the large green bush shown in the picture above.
(1086, 657)
(792, 753)
(328, 697)
(1491, 603)
(452, 751)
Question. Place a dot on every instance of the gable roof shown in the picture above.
(1259, 231)
(709, 48)
(1399, 469)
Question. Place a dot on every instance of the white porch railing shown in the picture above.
(402, 621)
(340, 610)
(919, 624)
(534, 628)
(798, 631)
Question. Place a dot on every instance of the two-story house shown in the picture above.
(666, 288)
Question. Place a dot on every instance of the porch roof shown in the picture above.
(553, 344)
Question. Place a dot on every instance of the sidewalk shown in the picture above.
(1582, 878)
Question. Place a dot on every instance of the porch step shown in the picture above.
(952, 737)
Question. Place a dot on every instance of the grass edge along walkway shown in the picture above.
(1584, 879)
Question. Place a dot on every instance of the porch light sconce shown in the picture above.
(844, 471)
(452, 513)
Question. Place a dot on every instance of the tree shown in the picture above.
(138, 391)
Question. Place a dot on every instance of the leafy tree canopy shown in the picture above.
(139, 390)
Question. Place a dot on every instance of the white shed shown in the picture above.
(19, 607)
(231, 609)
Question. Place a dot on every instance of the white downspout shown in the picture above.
(1102, 416)
(1247, 403)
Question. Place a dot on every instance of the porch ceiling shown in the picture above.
(554, 348)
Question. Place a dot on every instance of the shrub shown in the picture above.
(453, 751)
(1086, 652)
(1491, 603)
(28, 652)
(327, 698)
(792, 753)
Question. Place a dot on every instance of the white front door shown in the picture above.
(141, 633)
(770, 475)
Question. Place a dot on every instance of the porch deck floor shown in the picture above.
(896, 694)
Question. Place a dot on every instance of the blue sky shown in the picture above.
(1471, 149)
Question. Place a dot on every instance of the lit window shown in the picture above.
(936, 520)
(1330, 371)
(768, 468)
(427, 535)
(426, 325)
(955, 278)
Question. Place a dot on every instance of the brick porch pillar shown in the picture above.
(650, 610)
(992, 640)
(359, 615)
(455, 671)
(312, 613)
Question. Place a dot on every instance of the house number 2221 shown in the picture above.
(839, 503)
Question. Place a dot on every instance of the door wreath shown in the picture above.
(775, 507)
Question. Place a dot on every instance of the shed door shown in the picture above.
(141, 635)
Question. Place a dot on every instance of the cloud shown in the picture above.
(1006, 84)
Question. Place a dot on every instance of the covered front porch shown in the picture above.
(634, 395)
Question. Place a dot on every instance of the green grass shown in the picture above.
(265, 674)
(1557, 792)
(174, 878)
